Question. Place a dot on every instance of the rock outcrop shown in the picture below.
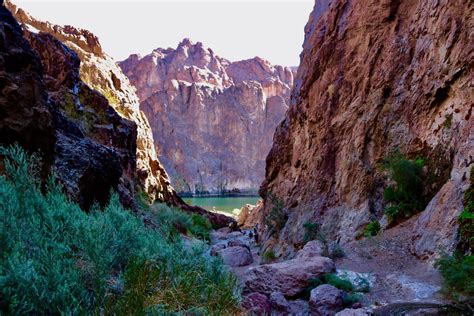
(289, 277)
(374, 77)
(63, 95)
(326, 300)
(100, 72)
(213, 120)
(42, 99)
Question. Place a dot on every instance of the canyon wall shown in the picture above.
(97, 70)
(213, 120)
(375, 77)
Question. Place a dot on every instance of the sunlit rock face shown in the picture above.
(97, 70)
(375, 76)
(213, 120)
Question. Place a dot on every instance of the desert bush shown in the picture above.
(372, 229)
(335, 281)
(57, 259)
(350, 295)
(405, 197)
(458, 276)
(178, 221)
(458, 270)
(334, 251)
(268, 256)
(466, 218)
(276, 218)
(312, 231)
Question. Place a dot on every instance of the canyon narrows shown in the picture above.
(213, 120)
(362, 157)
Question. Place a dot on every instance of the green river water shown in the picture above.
(222, 203)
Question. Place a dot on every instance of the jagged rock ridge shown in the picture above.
(375, 77)
(213, 120)
(100, 72)
(72, 102)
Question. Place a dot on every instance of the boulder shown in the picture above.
(238, 243)
(326, 300)
(236, 256)
(299, 307)
(256, 303)
(288, 277)
(352, 312)
(244, 214)
(313, 248)
(279, 303)
(214, 251)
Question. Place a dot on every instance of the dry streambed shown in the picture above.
(285, 287)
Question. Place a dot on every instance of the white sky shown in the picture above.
(271, 29)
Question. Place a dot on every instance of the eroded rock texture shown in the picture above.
(213, 120)
(375, 76)
(99, 71)
(46, 107)
(70, 101)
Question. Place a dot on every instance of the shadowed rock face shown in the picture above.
(46, 107)
(375, 76)
(213, 120)
(25, 115)
(70, 101)
(100, 72)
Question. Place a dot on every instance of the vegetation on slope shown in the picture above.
(458, 270)
(405, 196)
(58, 259)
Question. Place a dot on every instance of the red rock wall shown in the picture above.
(375, 76)
(100, 72)
(213, 120)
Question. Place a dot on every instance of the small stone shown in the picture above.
(256, 303)
(216, 248)
(278, 302)
(352, 312)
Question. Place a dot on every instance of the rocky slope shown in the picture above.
(100, 72)
(43, 100)
(213, 120)
(62, 95)
(375, 77)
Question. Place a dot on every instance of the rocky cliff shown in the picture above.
(99, 71)
(213, 120)
(63, 96)
(375, 77)
(45, 106)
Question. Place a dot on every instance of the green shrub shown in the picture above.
(372, 229)
(335, 251)
(458, 270)
(350, 299)
(277, 218)
(57, 259)
(333, 280)
(458, 276)
(312, 231)
(268, 256)
(178, 221)
(448, 120)
(405, 198)
(466, 218)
